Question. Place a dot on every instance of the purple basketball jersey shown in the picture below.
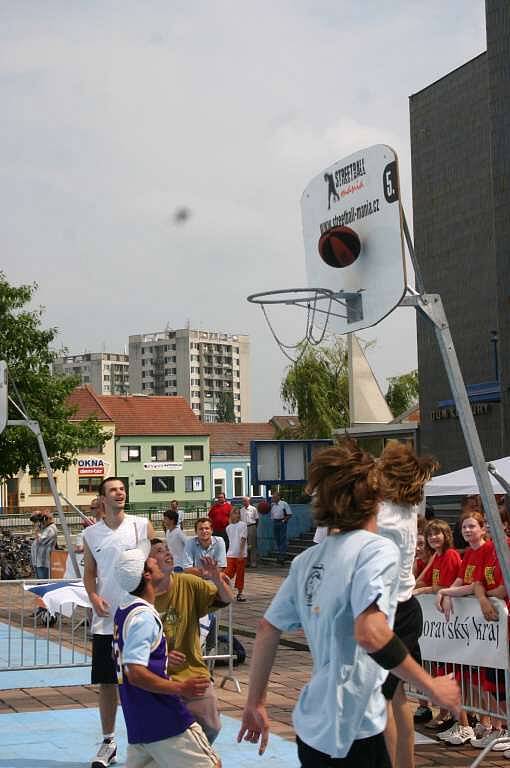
(149, 716)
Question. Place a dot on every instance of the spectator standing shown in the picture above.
(237, 533)
(161, 730)
(441, 571)
(444, 566)
(219, 515)
(204, 544)
(250, 516)
(44, 543)
(422, 553)
(174, 505)
(104, 543)
(280, 515)
(175, 537)
(478, 557)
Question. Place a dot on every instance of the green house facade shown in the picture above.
(159, 468)
(161, 447)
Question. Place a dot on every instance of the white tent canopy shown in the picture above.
(463, 482)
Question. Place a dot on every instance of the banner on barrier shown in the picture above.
(467, 638)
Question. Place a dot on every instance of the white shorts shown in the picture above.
(188, 750)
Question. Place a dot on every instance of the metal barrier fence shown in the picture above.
(476, 651)
(19, 521)
(33, 638)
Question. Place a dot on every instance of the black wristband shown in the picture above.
(391, 655)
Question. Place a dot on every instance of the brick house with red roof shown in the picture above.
(161, 447)
(157, 445)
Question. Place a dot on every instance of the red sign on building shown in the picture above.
(90, 467)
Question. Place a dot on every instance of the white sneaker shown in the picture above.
(482, 730)
(483, 739)
(460, 735)
(507, 754)
(106, 755)
(444, 735)
(502, 746)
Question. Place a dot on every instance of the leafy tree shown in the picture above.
(225, 408)
(316, 387)
(402, 392)
(25, 346)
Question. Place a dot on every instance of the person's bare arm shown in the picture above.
(143, 678)
(420, 578)
(373, 633)
(255, 722)
(443, 596)
(499, 592)
(150, 531)
(457, 591)
(99, 604)
(211, 571)
(425, 591)
(489, 610)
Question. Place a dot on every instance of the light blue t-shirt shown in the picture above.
(194, 552)
(327, 588)
(143, 635)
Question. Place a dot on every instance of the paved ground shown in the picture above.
(292, 669)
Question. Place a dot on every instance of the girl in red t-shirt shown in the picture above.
(423, 553)
(472, 569)
(443, 569)
(492, 585)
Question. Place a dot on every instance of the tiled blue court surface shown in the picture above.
(35, 649)
(70, 738)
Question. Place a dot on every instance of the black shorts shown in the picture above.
(103, 664)
(408, 628)
(364, 753)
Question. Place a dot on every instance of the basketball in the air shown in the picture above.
(263, 507)
(339, 247)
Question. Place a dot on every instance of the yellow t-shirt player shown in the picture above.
(182, 599)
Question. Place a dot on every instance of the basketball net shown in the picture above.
(317, 318)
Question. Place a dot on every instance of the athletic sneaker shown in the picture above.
(460, 734)
(423, 714)
(444, 735)
(502, 746)
(483, 736)
(106, 755)
(440, 724)
(481, 729)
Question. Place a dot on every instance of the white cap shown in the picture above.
(129, 567)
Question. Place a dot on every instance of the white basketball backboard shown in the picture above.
(360, 192)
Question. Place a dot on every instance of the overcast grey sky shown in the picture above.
(116, 112)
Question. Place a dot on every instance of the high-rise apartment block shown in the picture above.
(106, 372)
(198, 365)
